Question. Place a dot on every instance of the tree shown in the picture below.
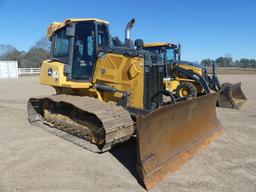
(5, 48)
(207, 62)
(224, 61)
(244, 62)
(13, 55)
(43, 43)
(34, 57)
(37, 54)
(252, 63)
(228, 62)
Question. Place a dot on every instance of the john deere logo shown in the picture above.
(50, 72)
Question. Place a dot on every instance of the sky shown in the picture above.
(205, 28)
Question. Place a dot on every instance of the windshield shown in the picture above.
(168, 54)
(61, 44)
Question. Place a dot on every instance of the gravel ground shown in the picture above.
(32, 159)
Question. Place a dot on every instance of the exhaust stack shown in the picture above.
(128, 42)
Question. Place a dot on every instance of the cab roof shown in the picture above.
(160, 44)
(58, 25)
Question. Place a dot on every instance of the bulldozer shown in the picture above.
(187, 79)
(108, 92)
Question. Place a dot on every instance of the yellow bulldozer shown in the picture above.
(186, 79)
(108, 92)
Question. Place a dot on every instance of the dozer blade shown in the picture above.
(231, 96)
(170, 136)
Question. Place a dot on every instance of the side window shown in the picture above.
(101, 38)
(170, 56)
(61, 44)
(102, 35)
(90, 46)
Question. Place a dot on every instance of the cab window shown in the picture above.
(170, 56)
(61, 44)
(90, 46)
(84, 51)
(102, 35)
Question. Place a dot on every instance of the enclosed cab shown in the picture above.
(84, 61)
(180, 77)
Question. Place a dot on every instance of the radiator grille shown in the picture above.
(153, 83)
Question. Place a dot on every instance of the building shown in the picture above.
(9, 69)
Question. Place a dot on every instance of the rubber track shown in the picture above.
(116, 121)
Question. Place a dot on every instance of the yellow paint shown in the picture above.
(184, 91)
(195, 69)
(121, 72)
(58, 25)
(57, 77)
(172, 84)
(184, 80)
(160, 44)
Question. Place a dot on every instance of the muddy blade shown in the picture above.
(231, 96)
(170, 136)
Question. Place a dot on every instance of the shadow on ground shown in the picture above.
(126, 153)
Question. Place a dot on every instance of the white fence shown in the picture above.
(29, 71)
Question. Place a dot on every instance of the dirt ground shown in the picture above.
(32, 159)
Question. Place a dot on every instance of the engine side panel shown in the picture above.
(125, 74)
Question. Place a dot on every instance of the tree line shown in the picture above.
(30, 59)
(41, 51)
(229, 62)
